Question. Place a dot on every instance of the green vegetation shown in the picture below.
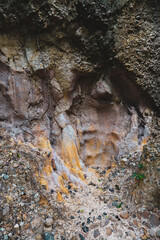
(138, 176)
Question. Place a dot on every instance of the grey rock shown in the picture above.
(94, 225)
(5, 237)
(96, 233)
(81, 237)
(101, 90)
(152, 233)
(48, 222)
(104, 222)
(48, 236)
(62, 120)
(6, 177)
(36, 224)
(5, 211)
(158, 233)
(154, 220)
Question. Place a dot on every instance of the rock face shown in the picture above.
(76, 77)
(149, 189)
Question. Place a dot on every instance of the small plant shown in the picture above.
(99, 180)
(140, 165)
(119, 205)
(82, 210)
(18, 155)
(138, 176)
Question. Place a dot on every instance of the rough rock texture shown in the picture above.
(78, 79)
(107, 32)
(148, 190)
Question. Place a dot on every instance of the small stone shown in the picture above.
(48, 222)
(5, 237)
(52, 191)
(158, 233)
(5, 211)
(26, 226)
(150, 207)
(96, 233)
(147, 224)
(85, 229)
(5, 177)
(81, 237)
(2, 229)
(24, 217)
(36, 223)
(114, 203)
(48, 236)
(145, 214)
(38, 236)
(94, 225)
(16, 226)
(108, 231)
(151, 233)
(124, 215)
(138, 215)
(131, 228)
(104, 222)
(74, 238)
(135, 222)
(158, 213)
(88, 220)
(36, 197)
(47, 229)
(154, 220)
(104, 214)
(111, 190)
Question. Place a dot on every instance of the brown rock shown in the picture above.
(38, 236)
(138, 215)
(74, 238)
(135, 222)
(24, 217)
(154, 220)
(147, 224)
(26, 226)
(130, 228)
(94, 225)
(108, 231)
(145, 214)
(158, 213)
(150, 207)
(124, 215)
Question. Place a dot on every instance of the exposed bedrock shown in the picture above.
(78, 80)
(62, 101)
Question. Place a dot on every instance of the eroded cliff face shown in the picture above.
(78, 80)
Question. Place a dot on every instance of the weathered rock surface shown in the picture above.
(79, 81)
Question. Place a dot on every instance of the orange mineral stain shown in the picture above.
(59, 197)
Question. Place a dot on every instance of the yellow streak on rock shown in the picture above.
(59, 197)
(62, 187)
(144, 142)
(71, 158)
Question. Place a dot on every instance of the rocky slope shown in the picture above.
(79, 83)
